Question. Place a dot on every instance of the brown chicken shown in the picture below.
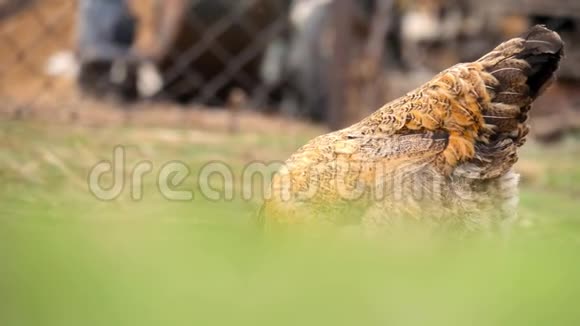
(442, 155)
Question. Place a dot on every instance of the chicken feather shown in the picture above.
(442, 154)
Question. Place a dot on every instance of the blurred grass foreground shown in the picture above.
(67, 258)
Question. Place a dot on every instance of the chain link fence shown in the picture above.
(30, 32)
(332, 61)
(64, 57)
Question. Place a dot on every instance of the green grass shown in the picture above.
(67, 258)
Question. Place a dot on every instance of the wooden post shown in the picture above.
(237, 100)
(342, 23)
(374, 52)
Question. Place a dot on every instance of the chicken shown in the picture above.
(441, 155)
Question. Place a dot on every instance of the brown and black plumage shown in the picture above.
(440, 155)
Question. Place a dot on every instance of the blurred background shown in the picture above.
(241, 81)
(331, 62)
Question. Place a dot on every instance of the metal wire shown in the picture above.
(184, 76)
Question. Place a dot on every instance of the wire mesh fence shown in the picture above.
(29, 34)
(326, 60)
(198, 51)
(61, 58)
(67, 54)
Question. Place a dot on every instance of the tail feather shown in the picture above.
(542, 68)
(521, 68)
(543, 50)
(539, 40)
(524, 66)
